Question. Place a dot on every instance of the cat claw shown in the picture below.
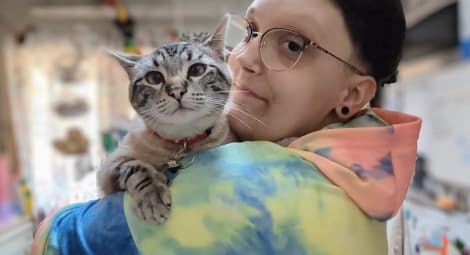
(155, 204)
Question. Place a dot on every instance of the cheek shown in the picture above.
(141, 96)
(292, 88)
(299, 104)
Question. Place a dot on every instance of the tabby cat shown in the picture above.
(179, 91)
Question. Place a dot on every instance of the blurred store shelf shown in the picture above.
(16, 237)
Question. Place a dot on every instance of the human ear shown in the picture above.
(359, 92)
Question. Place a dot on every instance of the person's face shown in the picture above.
(281, 104)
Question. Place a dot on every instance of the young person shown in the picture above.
(303, 76)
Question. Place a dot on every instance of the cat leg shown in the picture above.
(109, 174)
(148, 188)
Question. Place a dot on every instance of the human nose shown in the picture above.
(250, 59)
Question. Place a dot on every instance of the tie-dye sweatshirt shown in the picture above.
(260, 198)
(372, 160)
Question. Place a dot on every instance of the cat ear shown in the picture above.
(217, 41)
(127, 61)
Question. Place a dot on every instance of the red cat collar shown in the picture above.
(186, 141)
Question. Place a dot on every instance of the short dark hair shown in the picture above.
(377, 29)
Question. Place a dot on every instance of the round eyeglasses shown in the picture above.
(280, 48)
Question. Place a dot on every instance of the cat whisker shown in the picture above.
(241, 121)
(152, 108)
(215, 100)
(218, 105)
(217, 97)
(250, 116)
(230, 91)
(149, 117)
(221, 92)
(238, 90)
(146, 110)
(218, 100)
(217, 39)
(218, 110)
(236, 106)
(145, 114)
(243, 107)
(221, 110)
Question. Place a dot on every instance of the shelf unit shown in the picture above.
(16, 237)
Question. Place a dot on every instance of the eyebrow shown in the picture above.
(250, 11)
(250, 17)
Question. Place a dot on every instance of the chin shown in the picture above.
(254, 131)
(183, 124)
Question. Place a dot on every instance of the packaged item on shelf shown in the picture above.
(26, 197)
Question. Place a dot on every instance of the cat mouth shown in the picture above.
(181, 109)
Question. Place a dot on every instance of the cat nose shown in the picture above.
(177, 93)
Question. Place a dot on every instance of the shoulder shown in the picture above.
(256, 198)
(95, 227)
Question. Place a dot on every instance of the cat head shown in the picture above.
(180, 89)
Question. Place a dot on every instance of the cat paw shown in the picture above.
(155, 204)
(148, 189)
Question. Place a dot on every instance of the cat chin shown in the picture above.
(170, 132)
(179, 128)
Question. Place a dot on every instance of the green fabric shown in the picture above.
(257, 198)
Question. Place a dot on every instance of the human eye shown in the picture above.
(293, 46)
(292, 42)
(290, 45)
(250, 28)
(247, 34)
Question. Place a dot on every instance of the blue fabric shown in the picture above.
(465, 48)
(95, 227)
(241, 198)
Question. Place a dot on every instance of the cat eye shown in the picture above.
(154, 77)
(196, 70)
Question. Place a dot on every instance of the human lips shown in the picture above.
(244, 89)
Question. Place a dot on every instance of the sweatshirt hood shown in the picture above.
(371, 158)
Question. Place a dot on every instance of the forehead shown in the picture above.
(320, 20)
